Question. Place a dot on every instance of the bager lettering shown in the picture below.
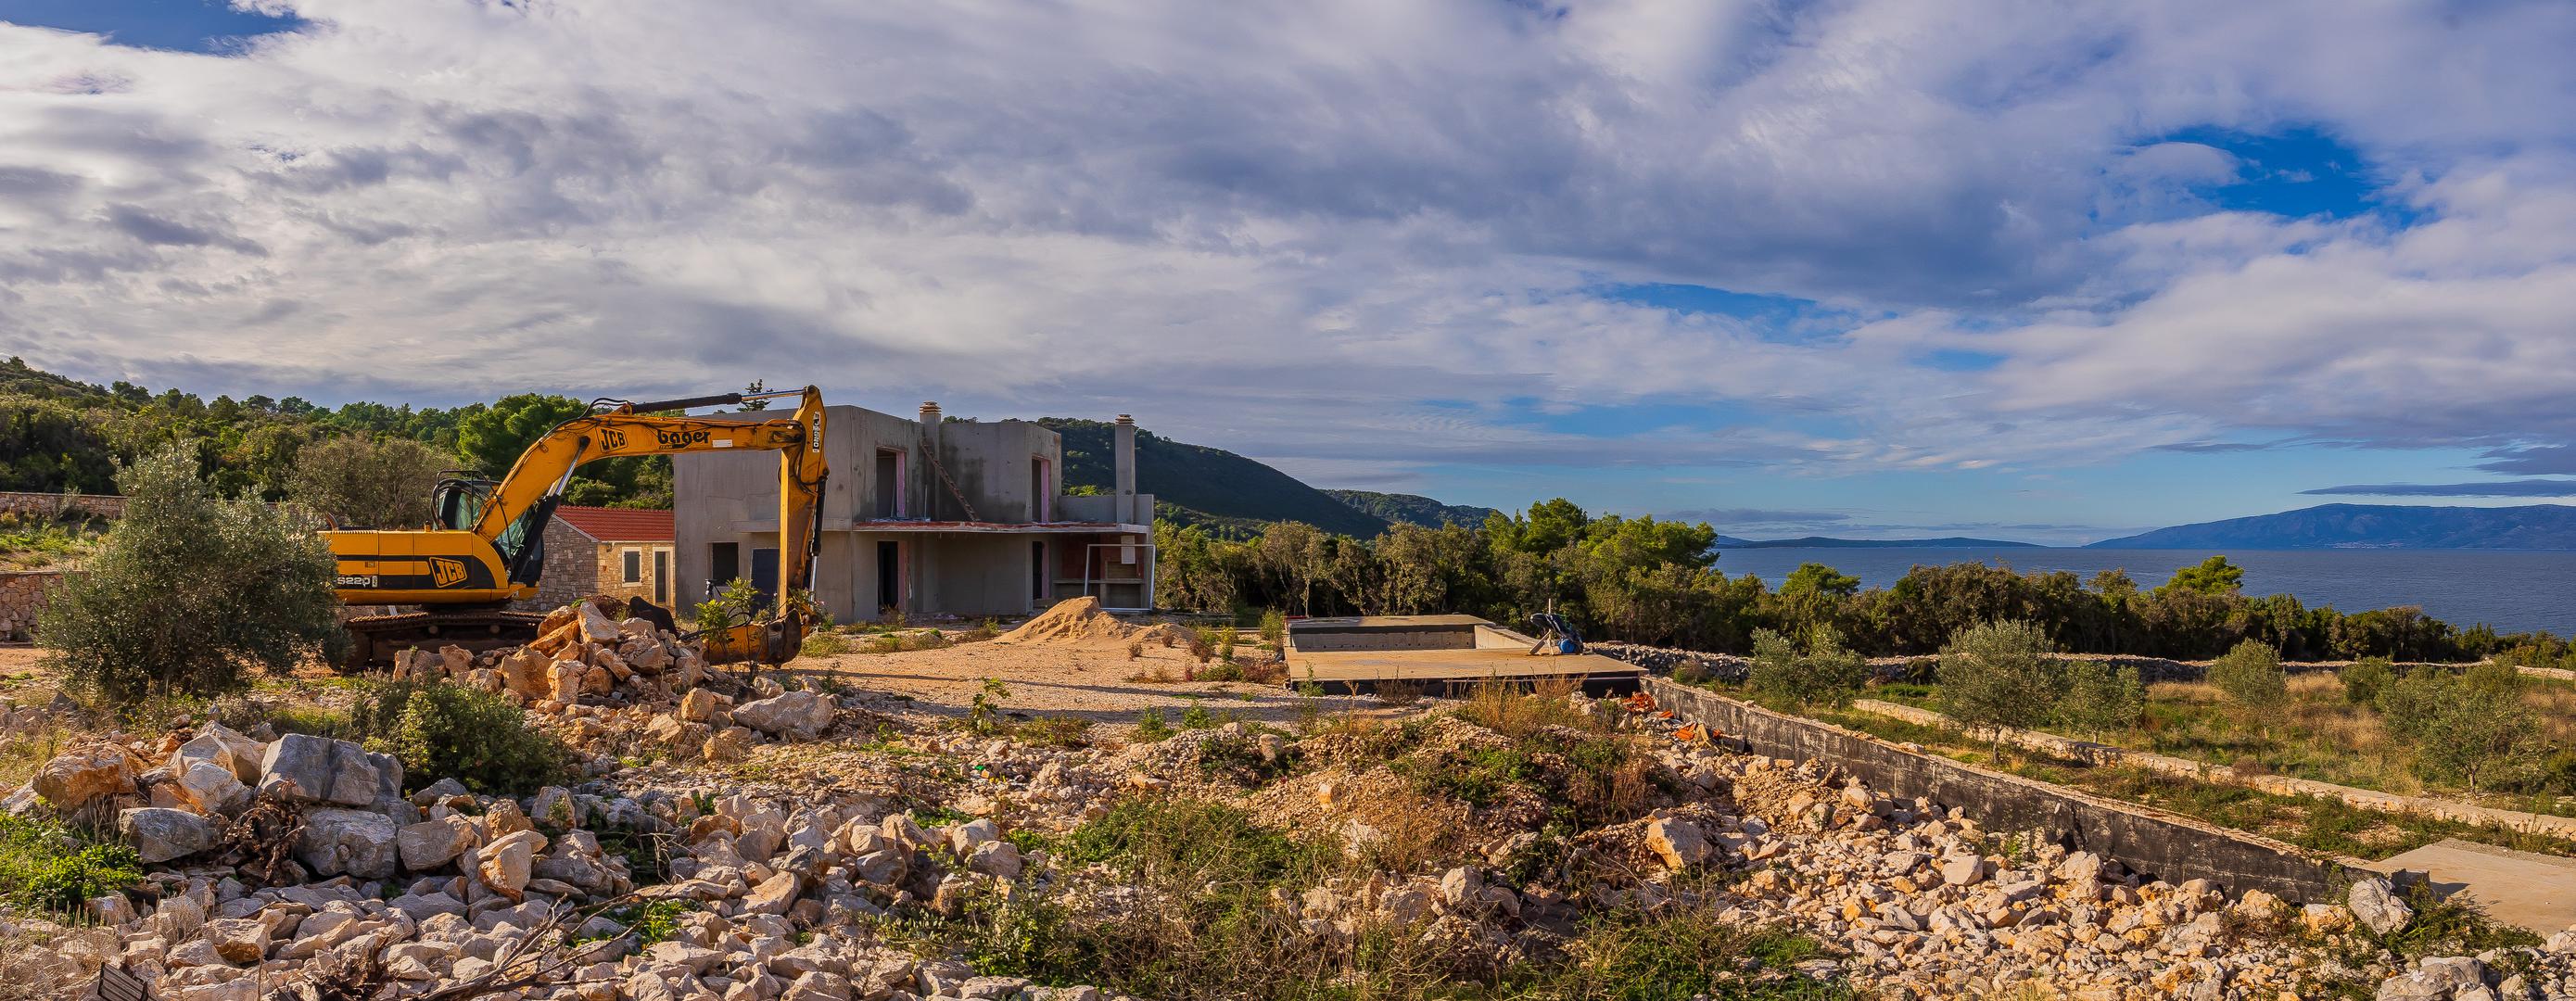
(675, 439)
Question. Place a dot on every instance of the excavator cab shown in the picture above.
(458, 500)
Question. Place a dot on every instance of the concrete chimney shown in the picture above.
(1123, 452)
(928, 464)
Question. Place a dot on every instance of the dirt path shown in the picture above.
(1097, 684)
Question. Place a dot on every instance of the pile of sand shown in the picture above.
(1076, 622)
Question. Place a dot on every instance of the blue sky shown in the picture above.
(1867, 267)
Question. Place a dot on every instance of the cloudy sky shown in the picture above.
(2038, 270)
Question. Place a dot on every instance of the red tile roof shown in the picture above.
(617, 524)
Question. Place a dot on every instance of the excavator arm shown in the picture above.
(499, 556)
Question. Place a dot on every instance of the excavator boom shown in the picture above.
(489, 549)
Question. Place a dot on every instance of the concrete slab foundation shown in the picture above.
(2525, 889)
(1444, 654)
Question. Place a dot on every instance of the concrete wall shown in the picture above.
(2166, 846)
(990, 464)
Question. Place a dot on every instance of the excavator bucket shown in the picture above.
(775, 641)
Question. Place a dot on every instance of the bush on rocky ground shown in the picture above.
(49, 868)
(188, 590)
(443, 729)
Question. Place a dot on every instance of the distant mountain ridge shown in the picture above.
(1413, 508)
(1198, 485)
(1828, 542)
(2372, 526)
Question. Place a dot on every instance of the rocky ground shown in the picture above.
(748, 838)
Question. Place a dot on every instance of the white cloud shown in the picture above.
(1290, 226)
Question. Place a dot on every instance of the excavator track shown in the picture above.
(376, 638)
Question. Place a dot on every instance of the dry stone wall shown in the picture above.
(2168, 846)
(22, 596)
(49, 505)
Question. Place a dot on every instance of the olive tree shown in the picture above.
(1997, 676)
(188, 590)
(1825, 673)
(2250, 677)
(2474, 729)
(368, 483)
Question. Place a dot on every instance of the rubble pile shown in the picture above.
(582, 654)
(301, 859)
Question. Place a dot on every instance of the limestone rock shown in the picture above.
(238, 940)
(72, 780)
(701, 706)
(524, 672)
(160, 834)
(505, 865)
(360, 843)
(217, 743)
(773, 895)
(996, 858)
(595, 626)
(1678, 842)
(308, 769)
(2375, 905)
(801, 715)
(213, 788)
(433, 843)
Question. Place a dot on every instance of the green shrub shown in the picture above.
(2251, 678)
(188, 589)
(44, 867)
(1274, 630)
(2363, 681)
(443, 730)
(823, 643)
(1151, 727)
(1823, 674)
(1682, 952)
(2099, 698)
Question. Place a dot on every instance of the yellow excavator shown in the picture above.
(486, 545)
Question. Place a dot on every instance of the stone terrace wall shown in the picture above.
(22, 595)
(2166, 846)
(101, 505)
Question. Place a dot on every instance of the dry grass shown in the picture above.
(22, 755)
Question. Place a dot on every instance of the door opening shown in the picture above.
(889, 578)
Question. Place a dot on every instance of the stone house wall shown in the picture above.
(578, 566)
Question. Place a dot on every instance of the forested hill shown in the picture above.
(1413, 508)
(2373, 526)
(59, 434)
(1195, 484)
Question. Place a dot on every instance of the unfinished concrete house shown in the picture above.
(924, 517)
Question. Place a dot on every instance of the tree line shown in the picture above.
(362, 463)
(1645, 580)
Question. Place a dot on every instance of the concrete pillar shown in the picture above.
(1123, 452)
(926, 473)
